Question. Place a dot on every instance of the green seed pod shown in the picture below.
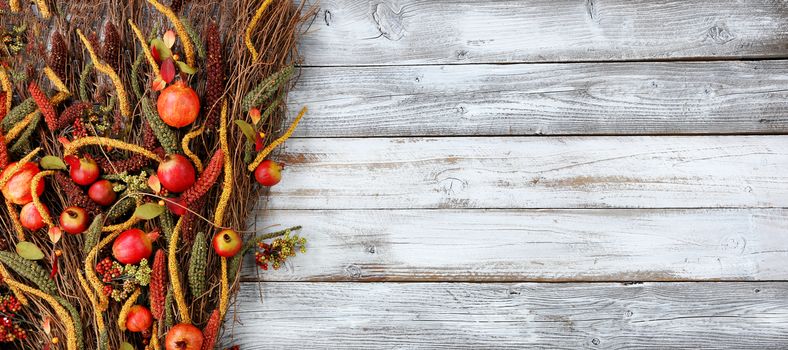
(194, 37)
(248, 153)
(169, 315)
(93, 234)
(266, 88)
(167, 225)
(23, 142)
(83, 82)
(121, 208)
(197, 262)
(271, 108)
(163, 132)
(135, 81)
(103, 340)
(18, 113)
(29, 270)
(75, 317)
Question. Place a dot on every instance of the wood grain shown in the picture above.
(396, 32)
(534, 245)
(547, 99)
(512, 316)
(534, 172)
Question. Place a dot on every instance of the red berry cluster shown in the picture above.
(9, 329)
(278, 251)
(109, 270)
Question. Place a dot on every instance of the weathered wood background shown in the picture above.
(560, 174)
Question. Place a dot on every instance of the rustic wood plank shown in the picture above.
(730, 97)
(534, 245)
(512, 316)
(534, 172)
(353, 32)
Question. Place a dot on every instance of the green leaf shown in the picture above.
(29, 251)
(126, 346)
(52, 163)
(247, 129)
(185, 68)
(148, 211)
(161, 48)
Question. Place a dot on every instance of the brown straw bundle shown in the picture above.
(79, 78)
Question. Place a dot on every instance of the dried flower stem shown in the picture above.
(188, 47)
(145, 49)
(97, 315)
(124, 311)
(20, 231)
(72, 147)
(5, 82)
(20, 127)
(187, 151)
(65, 318)
(277, 142)
(250, 28)
(175, 279)
(42, 211)
(125, 107)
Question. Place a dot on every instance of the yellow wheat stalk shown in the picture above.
(188, 47)
(124, 311)
(73, 146)
(145, 48)
(20, 127)
(185, 145)
(277, 142)
(17, 293)
(5, 82)
(224, 198)
(36, 200)
(20, 231)
(97, 316)
(19, 164)
(125, 107)
(55, 80)
(175, 279)
(43, 8)
(15, 7)
(250, 28)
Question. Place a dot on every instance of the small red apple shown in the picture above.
(102, 192)
(227, 243)
(74, 220)
(17, 190)
(183, 336)
(84, 171)
(31, 218)
(133, 245)
(139, 319)
(178, 105)
(176, 173)
(268, 173)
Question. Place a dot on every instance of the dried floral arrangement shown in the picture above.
(134, 142)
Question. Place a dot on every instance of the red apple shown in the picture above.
(183, 336)
(74, 220)
(176, 173)
(268, 173)
(227, 243)
(133, 245)
(178, 105)
(17, 190)
(102, 192)
(139, 319)
(84, 171)
(30, 217)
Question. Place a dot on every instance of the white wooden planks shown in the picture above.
(512, 316)
(534, 172)
(395, 32)
(534, 245)
(729, 97)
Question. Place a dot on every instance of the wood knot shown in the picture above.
(389, 22)
(452, 185)
(719, 33)
(354, 271)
